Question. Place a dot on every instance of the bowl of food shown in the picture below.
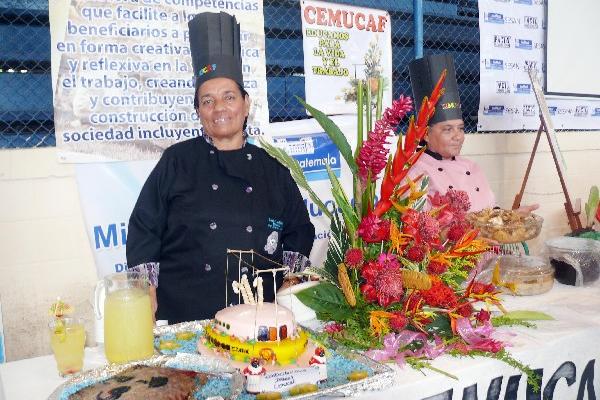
(506, 226)
(576, 260)
(525, 275)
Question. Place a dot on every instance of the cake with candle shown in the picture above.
(255, 329)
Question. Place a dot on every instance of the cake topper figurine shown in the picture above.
(254, 374)
(320, 361)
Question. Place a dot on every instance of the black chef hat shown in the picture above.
(215, 48)
(424, 74)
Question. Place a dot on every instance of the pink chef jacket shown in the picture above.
(457, 173)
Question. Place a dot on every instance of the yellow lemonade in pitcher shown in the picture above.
(128, 325)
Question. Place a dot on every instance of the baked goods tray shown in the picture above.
(380, 376)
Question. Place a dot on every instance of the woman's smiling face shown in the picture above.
(222, 109)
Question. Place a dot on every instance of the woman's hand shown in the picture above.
(153, 302)
(528, 208)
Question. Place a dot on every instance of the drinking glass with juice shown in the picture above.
(67, 339)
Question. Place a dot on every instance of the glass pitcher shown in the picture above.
(128, 325)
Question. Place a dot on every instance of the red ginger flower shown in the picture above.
(399, 321)
(383, 285)
(354, 258)
(439, 295)
(436, 268)
(464, 309)
(422, 226)
(457, 230)
(372, 229)
(483, 316)
(373, 154)
(393, 115)
(416, 253)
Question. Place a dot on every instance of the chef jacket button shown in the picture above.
(207, 267)
(249, 156)
(450, 187)
(244, 270)
(213, 225)
(215, 186)
(477, 189)
(468, 172)
(212, 152)
(440, 169)
(249, 189)
(249, 228)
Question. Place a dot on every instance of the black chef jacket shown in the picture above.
(198, 202)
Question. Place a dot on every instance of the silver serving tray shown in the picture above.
(383, 376)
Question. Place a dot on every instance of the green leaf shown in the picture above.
(528, 315)
(296, 172)
(334, 132)
(341, 200)
(326, 299)
(339, 243)
(592, 205)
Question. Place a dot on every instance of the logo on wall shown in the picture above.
(533, 65)
(581, 111)
(502, 41)
(493, 18)
(511, 65)
(523, 88)
(530, 22)
(596, 112)
(529, 110)
(554, 110)
(313, 152)
(502, 87)
(512, 20)
(494, 63)
(523, 44)
(493, 110)
(512, 110)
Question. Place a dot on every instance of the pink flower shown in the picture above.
(333, 327)
(394, 114)
(373, 154)
(372, 229)
(388, 260)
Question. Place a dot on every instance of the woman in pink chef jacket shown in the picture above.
(442, 161)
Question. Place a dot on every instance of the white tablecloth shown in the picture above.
(565, 349)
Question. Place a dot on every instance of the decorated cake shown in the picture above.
(265, 331)
(256, 329)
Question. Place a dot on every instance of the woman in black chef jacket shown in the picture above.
(214, 192)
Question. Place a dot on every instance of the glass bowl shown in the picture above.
(506, 226)
(576, 260)
(526, 275)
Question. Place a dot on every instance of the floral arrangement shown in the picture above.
(399, 281)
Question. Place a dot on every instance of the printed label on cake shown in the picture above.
(280, 381)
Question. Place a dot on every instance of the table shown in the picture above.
(564, 351)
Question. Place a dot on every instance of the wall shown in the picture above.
(45, 252)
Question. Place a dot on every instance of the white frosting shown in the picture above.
(244, 320)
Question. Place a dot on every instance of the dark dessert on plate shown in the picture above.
(143, 382)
